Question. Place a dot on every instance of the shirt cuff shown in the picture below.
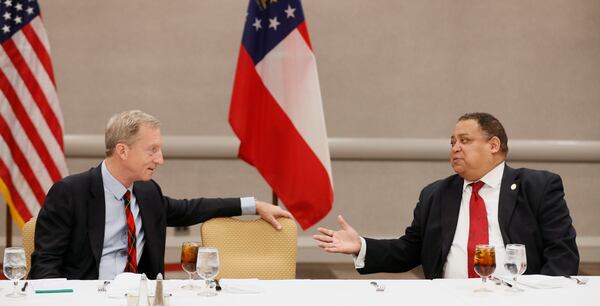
(359, 261)
(248, 205)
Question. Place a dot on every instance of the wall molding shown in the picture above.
(353, 148)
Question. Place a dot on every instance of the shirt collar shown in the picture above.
(492, 178)
(112, 184)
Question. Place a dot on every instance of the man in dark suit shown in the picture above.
(522, 206)
(113, 218)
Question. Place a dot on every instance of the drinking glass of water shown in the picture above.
(15, 268)
(207, 267)
(515, 262)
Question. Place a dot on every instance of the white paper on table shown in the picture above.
(49, 284)
(242, 286)
(128, 282)
(538, 281)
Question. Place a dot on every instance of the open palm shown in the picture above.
(345, 240)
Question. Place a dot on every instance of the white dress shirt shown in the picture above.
(456, 262)
(114, 252)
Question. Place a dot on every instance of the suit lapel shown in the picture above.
(96, 214)
(450, 204)
(148, 226)
(509, 189)
(145, 212)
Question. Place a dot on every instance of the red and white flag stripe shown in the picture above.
(293, 82)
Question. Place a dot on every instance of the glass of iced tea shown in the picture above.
(189, 255)
(484, 263)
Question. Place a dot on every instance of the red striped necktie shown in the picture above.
(478, 225)
(131, 265)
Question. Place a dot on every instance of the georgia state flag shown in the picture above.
(276, 109)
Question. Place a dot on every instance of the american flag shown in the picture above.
(276, 109)
(31, 123)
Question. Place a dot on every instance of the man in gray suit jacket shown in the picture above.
(523, 206)
(113, 218)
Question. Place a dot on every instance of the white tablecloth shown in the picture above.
(334, 292)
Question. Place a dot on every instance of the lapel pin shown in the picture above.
(513, 186)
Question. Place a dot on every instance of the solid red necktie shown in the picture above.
(478, 225)
(131, 265)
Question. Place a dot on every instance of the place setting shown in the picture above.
(510, 281)
(195, 260)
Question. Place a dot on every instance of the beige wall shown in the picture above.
(387, 68)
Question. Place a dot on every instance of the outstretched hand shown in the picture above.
(345, 241)
(270, 213)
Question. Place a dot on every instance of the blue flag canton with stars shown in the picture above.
(14, 15)
(268, 22)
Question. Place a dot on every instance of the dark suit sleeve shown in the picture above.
(560, 250)
(188, 212)
(397, 255)
(193, 211)
(52, 234)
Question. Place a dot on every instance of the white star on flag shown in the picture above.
(256, 24)
(290, 12)
(273, 23)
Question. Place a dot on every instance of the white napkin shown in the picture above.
(242, 286)
(123, 283)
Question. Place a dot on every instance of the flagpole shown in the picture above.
(275, 198)
(8, 227)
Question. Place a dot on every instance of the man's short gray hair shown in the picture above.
(123, 128)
